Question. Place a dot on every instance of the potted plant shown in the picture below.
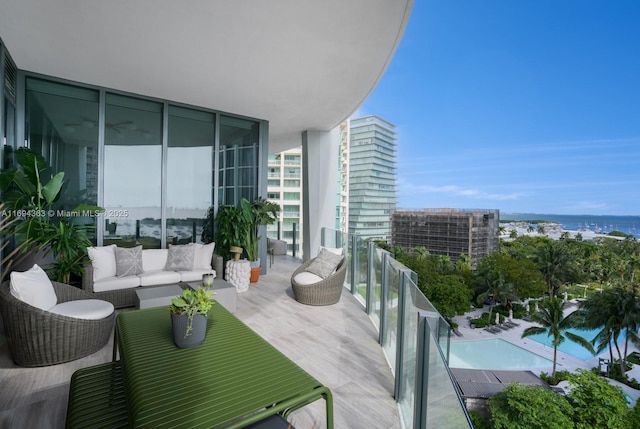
(40, 227)
(259, 212)
(189, 316)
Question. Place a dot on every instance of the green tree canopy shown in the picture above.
(530, 407)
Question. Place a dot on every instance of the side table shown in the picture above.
(238, 273)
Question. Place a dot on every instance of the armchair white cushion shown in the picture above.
(34, 288)
(88, 309)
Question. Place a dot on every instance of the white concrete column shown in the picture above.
(319, 187)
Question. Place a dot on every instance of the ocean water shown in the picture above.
(597, 223)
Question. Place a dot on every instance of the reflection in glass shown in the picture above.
(132, 171)
(189, 173)
(61, 125)
(238, 161)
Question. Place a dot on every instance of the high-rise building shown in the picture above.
(369, 196)
(284, 187)
(448, 232)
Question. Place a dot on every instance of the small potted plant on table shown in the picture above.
(189, 316)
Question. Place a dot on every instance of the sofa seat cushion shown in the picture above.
(90, 309)
(194, 275)
(307, 278)
(154, 259)
(116, 283)
(158, 277)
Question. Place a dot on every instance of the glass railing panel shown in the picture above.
(393, 270)
(443, 406)
(360, 254)
(406, 376)
(375, 274)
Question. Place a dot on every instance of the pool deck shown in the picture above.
(514, 336)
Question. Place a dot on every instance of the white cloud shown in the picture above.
(458, 191)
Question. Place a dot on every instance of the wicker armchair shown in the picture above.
(325, 292)
(39, 338)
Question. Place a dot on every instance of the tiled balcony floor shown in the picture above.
(336, 344)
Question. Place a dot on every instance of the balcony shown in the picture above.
(379, 350)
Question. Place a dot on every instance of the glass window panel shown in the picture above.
(132, 171)
(189, 173)
(62, 125)
(239, 161)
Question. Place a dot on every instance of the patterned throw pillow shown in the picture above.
(180, 258)
(128, 261)
(324, 264)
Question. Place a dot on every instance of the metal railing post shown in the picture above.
(294, 240)
(400, 335)
(383, 299)
(371, 249)
(355, 259)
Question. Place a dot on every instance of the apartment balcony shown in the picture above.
(379, 350)
(335, 344)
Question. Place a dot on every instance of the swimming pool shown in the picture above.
(571, 348)
(493, 354)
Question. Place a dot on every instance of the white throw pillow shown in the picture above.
(34, 288)
(103, 261)
(202, 258)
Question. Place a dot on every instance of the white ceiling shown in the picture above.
(300, 64)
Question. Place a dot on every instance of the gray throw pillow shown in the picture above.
(180, 258)
(128, 261)
(324, 264)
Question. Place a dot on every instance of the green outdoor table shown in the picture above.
(233, 379)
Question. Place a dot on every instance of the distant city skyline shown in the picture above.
(518, 106)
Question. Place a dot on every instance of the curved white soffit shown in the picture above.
(302, 65)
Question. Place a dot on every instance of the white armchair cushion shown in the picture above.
(91, 309)
(203, 255)
(103, 261)
(154, 259)
(33, 287)
(307, 278)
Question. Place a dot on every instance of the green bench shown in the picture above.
(97, 401)
(97, 398)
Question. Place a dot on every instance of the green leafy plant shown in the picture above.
(229, 230)
(259, 212)
(238, 226)
(190, 303)
(30, 205)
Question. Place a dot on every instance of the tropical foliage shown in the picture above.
(556, 325)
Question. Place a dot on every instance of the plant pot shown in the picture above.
(255, 274)
(255, 264)
(196, 337)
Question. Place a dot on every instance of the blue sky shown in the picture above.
(521, 105)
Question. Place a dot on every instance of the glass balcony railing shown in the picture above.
(413, 335)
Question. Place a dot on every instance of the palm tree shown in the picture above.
(611, 311)
(513, 233)
(421, 252)
(553, 262)
(553, 323)
(496, 289)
